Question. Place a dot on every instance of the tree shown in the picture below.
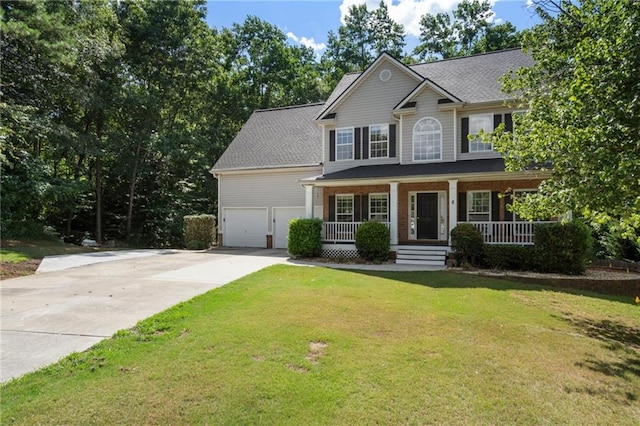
(364, 36)
(582, 116)
(466, 31)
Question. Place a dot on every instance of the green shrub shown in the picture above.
(468, 243)
(563, 247)
(510, 257)
(199, 231)
(305, 237)
(373, 241)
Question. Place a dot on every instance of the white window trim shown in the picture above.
(469, 204)
(413, 141)
(386, 195)
(385, 125)
(472, 140)
(353, 148)
(344, 214)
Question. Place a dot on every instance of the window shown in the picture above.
(379, 141)
(344, 208)
(344, 144)
(427, 140)
(476, 124)
(479, 206)
(379, 207)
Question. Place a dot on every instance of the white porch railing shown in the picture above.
(506, 232)
(341, 232)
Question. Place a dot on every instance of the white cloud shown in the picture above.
(308, 42)
(405, 12)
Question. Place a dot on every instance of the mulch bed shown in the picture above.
(598, 280)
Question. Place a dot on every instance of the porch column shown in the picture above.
(308, 200)
(393, 212)
(453, 204)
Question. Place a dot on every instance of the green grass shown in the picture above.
(298, 345)
(21, 250)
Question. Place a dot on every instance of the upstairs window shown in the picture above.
(479, 206)
(427, 140)
(344, 208)
(379, 207)
(476, 124)
(344, 144)
(379, 141)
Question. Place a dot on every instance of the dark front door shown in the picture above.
(427, 213)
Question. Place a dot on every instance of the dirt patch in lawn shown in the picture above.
(20, 269)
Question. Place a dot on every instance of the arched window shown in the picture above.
(427, 140)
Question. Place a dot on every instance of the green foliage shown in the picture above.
(609, 243)
(467, 242)
(466, 31)
(373, 241)
(509, 257)
(199, 231)
(305, 237)
(364, 35)
(583, 112)
(566, 248)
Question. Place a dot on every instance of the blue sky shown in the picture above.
(308, 21)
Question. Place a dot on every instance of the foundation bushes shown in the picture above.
(199, 231)
(566, 248)
(467, 242)
(305, 237)
(373, 241)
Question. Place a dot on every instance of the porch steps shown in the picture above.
(421, 255)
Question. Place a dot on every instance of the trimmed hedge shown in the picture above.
(468, 243)
(510, 257)
(305, 237)
(373, 241)
(199, 231)
(563, 247)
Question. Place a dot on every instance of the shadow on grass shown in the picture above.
(448, 279)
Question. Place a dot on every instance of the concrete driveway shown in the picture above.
(50, 315)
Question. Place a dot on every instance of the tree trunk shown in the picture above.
(132, 187)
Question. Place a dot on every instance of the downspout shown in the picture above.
(455, 134)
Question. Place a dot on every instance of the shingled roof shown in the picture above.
(279, 137)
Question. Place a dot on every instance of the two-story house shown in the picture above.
(395, 144)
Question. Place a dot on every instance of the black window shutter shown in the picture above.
(462, 206)
(357, 208)
(508, 122)
(508, 215)
(332, 145)
(356, 145)
(497, 119)
(332, 208)
(495, 206)
(365, 207)
(392, 140)
(464, 135)
(365, 143)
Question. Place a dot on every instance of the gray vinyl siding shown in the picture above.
(370, 103)
(427, 106)
(277, 188)
(476, 155)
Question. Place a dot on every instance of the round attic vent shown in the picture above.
(385, 75)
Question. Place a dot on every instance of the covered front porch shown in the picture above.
(512, 232)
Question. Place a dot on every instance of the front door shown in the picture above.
(427, 216)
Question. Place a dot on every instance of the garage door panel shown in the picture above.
(282, 216)
(245, 227)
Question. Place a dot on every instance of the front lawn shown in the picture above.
(302, 345)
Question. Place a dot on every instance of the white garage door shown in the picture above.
(245, 228)
(282, 216)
